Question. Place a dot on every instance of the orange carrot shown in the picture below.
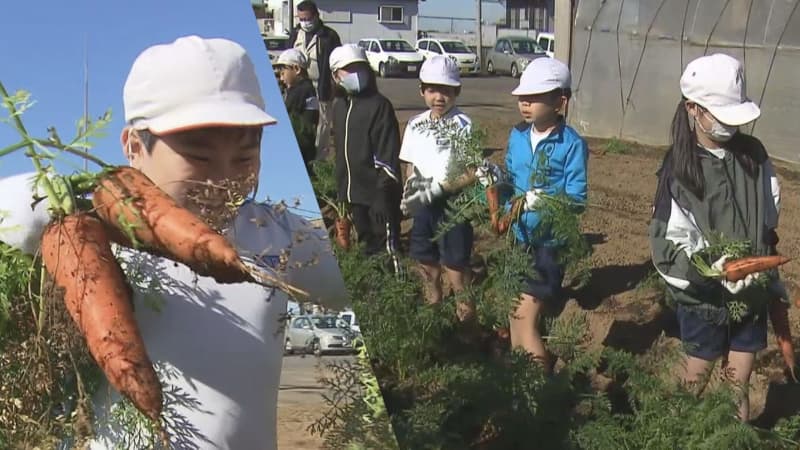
(505, 222)
(493, 201)
(77, 255)
(343, 226)
(779, 316)
(738, 269)
(127, 200)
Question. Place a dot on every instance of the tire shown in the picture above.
(382, 70)
(287, 348)
(316, 349)
(490, 68)
(514, 71)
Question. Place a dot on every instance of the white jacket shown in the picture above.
(218, 348)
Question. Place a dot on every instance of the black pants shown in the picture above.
(376, 235)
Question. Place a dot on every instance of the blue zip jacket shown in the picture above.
(562, 157)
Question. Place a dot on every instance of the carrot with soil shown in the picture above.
(128, 201)
(779, 317)
(77, 254)
(343, 227)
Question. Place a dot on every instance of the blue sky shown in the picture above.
(43, 52)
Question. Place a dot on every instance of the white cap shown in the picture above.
(440, 70)
(292, 57)
(193, 83)
(346, 54)
(543, 75)
(716, 82)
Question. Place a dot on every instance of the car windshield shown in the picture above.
(455, 47)
(526, 46)
(325, 322)
(396, 46)
(276, 44)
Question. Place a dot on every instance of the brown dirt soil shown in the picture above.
(624, 304)
(293, 423)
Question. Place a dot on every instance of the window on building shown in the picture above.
(390, 14)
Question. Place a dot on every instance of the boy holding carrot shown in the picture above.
(301, 102)
(194, 112)
(717, 180)
(545, 157)
(428, 155)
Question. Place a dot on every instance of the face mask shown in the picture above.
(718, 131)
(307, 25)
(353, 83)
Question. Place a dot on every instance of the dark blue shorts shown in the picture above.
(452, 250)
(545, 284)
(705, 340)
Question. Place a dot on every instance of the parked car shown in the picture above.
(548, 42)
(276, 45)
(456, 50)
(391, 56)
(318, 335)
(512, 55)
(349, 317)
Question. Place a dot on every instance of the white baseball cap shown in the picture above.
(440, 70)
(192, 83)
(543, 75)
(716, 82)
(292, 57)
(345, 55)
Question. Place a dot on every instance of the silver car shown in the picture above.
(318, 335)
(512, 55)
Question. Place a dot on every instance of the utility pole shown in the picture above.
(563, 30)
(291, 15)
(479, 49)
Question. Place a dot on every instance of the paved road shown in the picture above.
(299, 378)
(484, 95)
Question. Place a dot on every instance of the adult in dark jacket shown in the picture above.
(317, 41)
(367, 153)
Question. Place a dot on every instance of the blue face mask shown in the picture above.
(354, 82)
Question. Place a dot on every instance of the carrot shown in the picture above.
(493, 201)
(343, 226)
(779, 316)
(738, 269)
(505, 222)
(77, 255)
(128, 201)
(460, 183)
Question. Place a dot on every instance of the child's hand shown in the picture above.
(532, 199)
(488, 174)
(734, 287)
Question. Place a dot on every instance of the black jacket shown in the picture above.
(303, 108)
(327, 40)
(367, 138)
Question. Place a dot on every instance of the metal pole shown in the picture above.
(480, 36)
(291, 15)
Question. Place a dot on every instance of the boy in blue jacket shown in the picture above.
(544, 157)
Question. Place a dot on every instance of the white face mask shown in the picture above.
(354, 82)
(307, 25)
(718, 131)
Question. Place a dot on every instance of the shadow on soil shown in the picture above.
(610, 280)
(783, 400)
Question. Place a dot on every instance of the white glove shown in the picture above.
(488, 174)
(413, 184)
(422, 197)
(20, 225)
(734, 287)
(532, 198)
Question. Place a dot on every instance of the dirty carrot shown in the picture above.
(77, 255)
(343, 226)
(738, 269)
(779, 316)
(493, 201)
(461, 182)
(505, 222)
(129, 201)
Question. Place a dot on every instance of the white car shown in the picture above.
(319, 335)
(391, 57)
(468, 62)
(548, 42)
